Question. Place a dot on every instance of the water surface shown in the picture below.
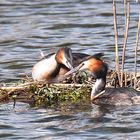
(26, 27)
(69, 121)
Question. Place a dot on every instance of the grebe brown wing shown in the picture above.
(118, 96)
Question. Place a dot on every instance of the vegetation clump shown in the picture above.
(45, 94)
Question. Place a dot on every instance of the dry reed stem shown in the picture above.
(125, 41)
(131, 80)
(136, 48)
(125, 9)
(116, 42)
(125, 78)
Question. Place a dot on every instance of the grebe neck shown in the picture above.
(98, 87)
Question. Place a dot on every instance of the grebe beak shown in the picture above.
(68, 64)
(73, 70)
(68, 58)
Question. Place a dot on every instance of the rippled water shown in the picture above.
(85, 26)
(71, 121)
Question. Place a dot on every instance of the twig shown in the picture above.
(62, 78)
(125, 41)
(42, 54)
(97, 96)
(16, 88)
(116, 42)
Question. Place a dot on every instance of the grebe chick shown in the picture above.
(108, 96)
(48, 68)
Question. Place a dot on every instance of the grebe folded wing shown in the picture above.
(118, 96)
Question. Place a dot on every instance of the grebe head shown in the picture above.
(64, 56)
(95, 66)
(98, 69)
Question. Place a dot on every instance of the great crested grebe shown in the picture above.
(53, 65)
(108, 96)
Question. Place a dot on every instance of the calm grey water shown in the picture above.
(71, 121)
(28, 26)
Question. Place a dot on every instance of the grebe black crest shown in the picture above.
(49, 68)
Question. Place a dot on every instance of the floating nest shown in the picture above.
(72, 88)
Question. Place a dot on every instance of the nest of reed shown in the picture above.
(75, 87)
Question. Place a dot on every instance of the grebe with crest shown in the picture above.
(53, 65)
(108, 96)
